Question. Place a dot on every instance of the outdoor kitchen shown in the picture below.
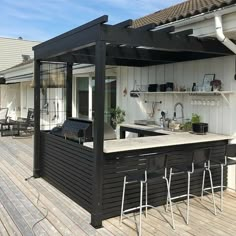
(167, 106)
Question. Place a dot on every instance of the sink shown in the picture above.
(174, 130)
(145, 122)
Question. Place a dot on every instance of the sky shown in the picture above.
(41, 20)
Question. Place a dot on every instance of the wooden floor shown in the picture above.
(24, 203)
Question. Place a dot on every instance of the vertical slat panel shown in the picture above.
(117, 165)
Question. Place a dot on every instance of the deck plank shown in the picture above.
(19, 209)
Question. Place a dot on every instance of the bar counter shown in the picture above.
(69, 166)
(164, 138)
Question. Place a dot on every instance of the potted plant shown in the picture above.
(216, 84)
(195, 118)
(117, 117)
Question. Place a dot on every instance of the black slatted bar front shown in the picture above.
(116, 165)
(68, 166)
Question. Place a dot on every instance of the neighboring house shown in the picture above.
(12, 50)
(15, 55)
(17, 93)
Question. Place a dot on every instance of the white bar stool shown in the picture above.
(230, 153)
(200, 162)
(153, 173)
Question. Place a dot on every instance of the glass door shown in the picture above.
(110, 97)
(82, 97)
(85, 92)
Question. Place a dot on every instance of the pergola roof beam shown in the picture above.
(123, 54)
(71, 40)
(148, 27)
(183, 33)
(160, 41)
(166, 30)
(124, 24)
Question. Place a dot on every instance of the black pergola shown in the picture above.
(102, 44)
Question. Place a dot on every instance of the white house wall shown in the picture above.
(10, 98)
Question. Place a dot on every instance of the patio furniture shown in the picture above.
(25, 125)
(156, 170)
(200, 162)
(230, 153)
(3, 115)
(6, 125)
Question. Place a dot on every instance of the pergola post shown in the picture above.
(36, 167)
(69, 90)
(100, 66)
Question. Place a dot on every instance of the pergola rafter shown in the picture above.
(121, 34)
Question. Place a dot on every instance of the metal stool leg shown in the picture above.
(187, 220)
(169, 199)
(140, 210)
(146, 197)
(221, 187)
(203, 183)
(212, 190)
(123, 198)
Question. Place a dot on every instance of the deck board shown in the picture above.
(19, 209)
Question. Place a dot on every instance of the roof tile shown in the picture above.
(182, 10)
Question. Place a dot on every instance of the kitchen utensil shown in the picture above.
(162, 87)
(152, 87)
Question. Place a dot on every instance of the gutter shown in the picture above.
(217, 15)
(199, 18)
(220, 34)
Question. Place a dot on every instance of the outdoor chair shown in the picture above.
(25, 125)
(3, 115)
(230, 155)
(200, 162)
(156, 170)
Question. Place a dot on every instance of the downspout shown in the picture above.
(220, 34)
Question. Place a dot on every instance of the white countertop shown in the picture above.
(172, 139)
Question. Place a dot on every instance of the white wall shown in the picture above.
(55, 114)
(219, 117)
(10, 98)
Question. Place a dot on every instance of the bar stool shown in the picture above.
(151, 174)
(230, 152)
(200, 162)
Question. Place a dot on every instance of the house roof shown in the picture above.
(18, 65)
(182, 10)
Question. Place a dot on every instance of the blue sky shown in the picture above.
(43, 19)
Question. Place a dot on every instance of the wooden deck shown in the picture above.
(23, 203)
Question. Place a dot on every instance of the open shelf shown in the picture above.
(189, 92)
(224, 94)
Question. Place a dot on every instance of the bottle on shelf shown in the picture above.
(194, 87)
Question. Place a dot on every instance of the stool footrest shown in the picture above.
(182, 196)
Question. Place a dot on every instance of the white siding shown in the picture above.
(12, 49)
(220, 117)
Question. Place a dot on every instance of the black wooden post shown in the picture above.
(36, 170)
(69, 90)
(100, 64)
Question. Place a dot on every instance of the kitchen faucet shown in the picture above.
(182, 111)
